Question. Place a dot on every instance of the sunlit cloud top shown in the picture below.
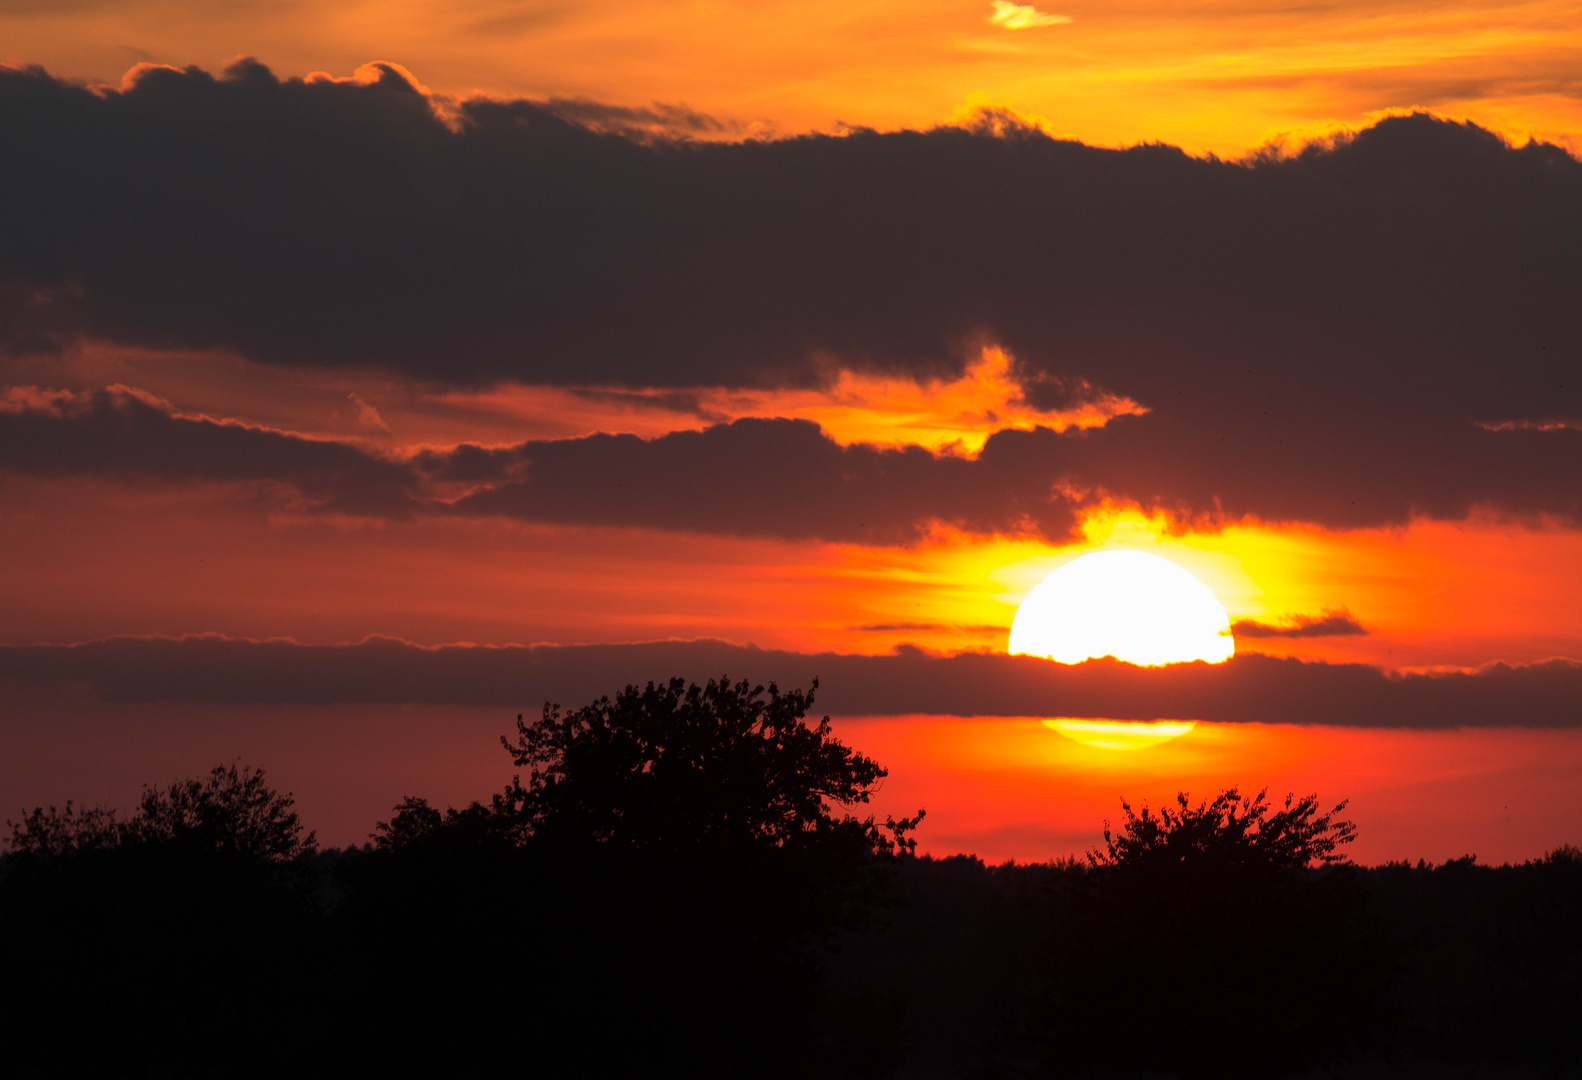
(950, 415)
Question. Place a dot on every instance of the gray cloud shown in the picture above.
(1329, 624)
(782, 478)
(120, 433)
(761, 478)
(753, 477)
(1249, 688)
(656, 123)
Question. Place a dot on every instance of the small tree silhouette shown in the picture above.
(182, 930)
(1235, 932)
(232, 812)
(47, 834)
(1231, 832)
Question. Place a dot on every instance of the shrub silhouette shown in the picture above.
(231, 813)
(1230, 834)
(1224, 939)
(171, 937)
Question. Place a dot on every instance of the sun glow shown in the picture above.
(1120, 734)
(1134, 606)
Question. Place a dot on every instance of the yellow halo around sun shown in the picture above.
(1130, 605)
(1120, 734)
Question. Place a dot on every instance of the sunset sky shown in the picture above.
(602, 343)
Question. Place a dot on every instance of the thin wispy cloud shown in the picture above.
(1330, 624)
(1022, 16)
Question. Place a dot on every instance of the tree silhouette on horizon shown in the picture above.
(1227, 939)
(173, 937)
(692, 846)
(1229, 832)
(681, 879)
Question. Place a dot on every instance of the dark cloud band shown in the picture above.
(784, 479)
(120, 433)
(1248, 689)
(1372, 329)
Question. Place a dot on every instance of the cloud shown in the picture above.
(778, 478)
(1329, 624)
(914, 627)
(656, 123)
(1326, 336)
(367, 415)
(1247, 689)
(1533, 425)
(752, 478)
(121, 432)
(1022, 16)
(782, 478)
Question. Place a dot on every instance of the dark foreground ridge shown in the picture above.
(677, 882)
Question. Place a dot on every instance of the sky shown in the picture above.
(373, 372)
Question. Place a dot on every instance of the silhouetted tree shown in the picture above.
(1225, 939)
(677, 854)
(1229, 833)
(49, 834)
(173, 941)
(231, 812)
(732, 815)
(685, 769)
(613, 912)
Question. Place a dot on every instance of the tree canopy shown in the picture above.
(678, 852)
(659, 889)
(1229, 832)
(233, 811)
(679, 766)
(1242, 923)
(174, 935)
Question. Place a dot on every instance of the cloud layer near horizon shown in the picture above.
(1365, 331)
(1250, 688)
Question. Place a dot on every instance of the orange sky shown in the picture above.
(83, 558)
(1221, 77)
(90, 558)
(1432, 594)
(1002, 788)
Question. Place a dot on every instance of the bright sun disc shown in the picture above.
(1131, 605)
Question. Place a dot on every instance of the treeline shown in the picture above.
(678, 882)
(1458, 970)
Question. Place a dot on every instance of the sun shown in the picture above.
(1134, 606)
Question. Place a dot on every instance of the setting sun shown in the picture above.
(1134, 606)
